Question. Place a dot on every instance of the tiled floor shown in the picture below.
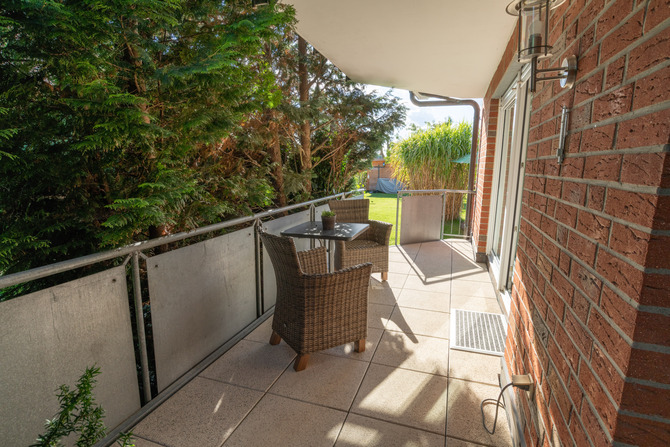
(407, 389)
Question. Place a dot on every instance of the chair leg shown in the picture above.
(275, 338)
(359, 346)
(301, 362)
(385, 276)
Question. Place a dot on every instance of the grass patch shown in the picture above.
(383, 208)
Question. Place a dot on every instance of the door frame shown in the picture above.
(502, 267)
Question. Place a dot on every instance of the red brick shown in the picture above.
(582, 248)
(551, 167)
(555, 302)
(595, 227)
(600, 138)
(657, 252)
(587, 61)
(622, 37)
(630, 242)
(578, 334)
(604, 368)
(575, 392)
(621, 274)
(558, 392)
(613, 343)
(620, 311)
(613, 104)
(649, 169)
(593, 428)
(614, 75)
(613, 16)
(578, 433)
(553, 187)
(635, 207)
(574, 192)
(566, 214)
(580, 116)
(647, 400)
(599, 398)
(568, 348)
(589, 87)
(655, 290)
(652, 89)
(662, 217)
(649, 54)
(643, 432)
(587, 282)
(572, 167)
(603, 167)
(559, 422)
(648, 130)
(657, 12)
(596, 197)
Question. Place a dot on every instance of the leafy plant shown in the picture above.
(78, 414)
(425, 160)
(328, 214)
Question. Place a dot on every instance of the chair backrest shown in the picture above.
(283, 255)
(351, 211)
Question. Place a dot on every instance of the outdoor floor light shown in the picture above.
(533, 44)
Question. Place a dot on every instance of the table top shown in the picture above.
(314, 230)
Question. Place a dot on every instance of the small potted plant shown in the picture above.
(328, 220)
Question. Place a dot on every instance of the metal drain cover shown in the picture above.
(478, 332)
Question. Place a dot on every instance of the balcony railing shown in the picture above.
(149, 323)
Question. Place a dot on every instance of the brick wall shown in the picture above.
(590, 316)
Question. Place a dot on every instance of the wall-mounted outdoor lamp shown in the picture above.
(533, 44)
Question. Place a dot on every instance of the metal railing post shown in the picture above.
(397, 212)
(139, 320)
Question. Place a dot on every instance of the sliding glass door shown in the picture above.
(508, 183)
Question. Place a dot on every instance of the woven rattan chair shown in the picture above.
(316, 310)
(371, 246)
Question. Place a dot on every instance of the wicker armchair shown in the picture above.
(316, 310)
(371, 246)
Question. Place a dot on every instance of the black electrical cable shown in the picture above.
(495, 419)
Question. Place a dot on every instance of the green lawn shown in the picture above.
(383, 207)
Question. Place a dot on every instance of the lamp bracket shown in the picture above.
(567, 73)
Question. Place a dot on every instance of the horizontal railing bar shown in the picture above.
(83, 261)
(459, 191)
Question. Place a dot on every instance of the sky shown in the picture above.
(422, 115)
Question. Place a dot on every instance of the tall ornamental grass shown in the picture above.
(425, 160)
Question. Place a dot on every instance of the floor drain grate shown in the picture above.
(478, 332)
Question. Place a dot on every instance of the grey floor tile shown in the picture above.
(396, 280)
(419, 322)
(139, 442)
(278, 421)
(475, 303)
(262, 333)
(360, 431)
(421, 299)
(414, 352)
(474, 366)
(328, 380)
(401, 396)
(425, 284)
(379, 315)
(203, 413)
(464, 418)
(251, 364)
(400, 267)
(347, 350)
(482, 289)
(382, 293)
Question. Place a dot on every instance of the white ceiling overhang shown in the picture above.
(446, 47)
